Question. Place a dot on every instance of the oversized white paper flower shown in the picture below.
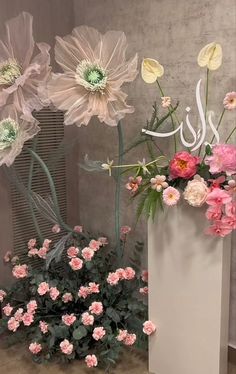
(210, 56)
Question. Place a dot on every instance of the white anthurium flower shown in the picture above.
(108, 166)
(151, 70)
(210, 56)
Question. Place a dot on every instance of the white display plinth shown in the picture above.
(189, 282)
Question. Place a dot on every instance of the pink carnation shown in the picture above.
(2, 295)
(99, 333)
(72, 252)
(121, 335)
(149, 327)
(78, 229)
(144, 276)
(7, 310)
(96, 308)
(121, 273)
(144, 291)
(83, 292)
(33, 252)
(183, 165)
(129, 273)
(130, 339)
(113, 279)
(32, 306)
(42, 252)
(94, 287)
(27, 319)
(43, 327)
(94, 244)
(87, 319)
(18, 314)
(87, 253)
(56, 229)
(66, 347)
(13, 324)
(31, 243)
(69, 319)
(54, 293)
(91, 361)
(35, 348)
(171, 196)
(46, 243)
(20, 271)
(67, 297)
(43, 288)
(76, 263)
(218, 197)
(223, 159)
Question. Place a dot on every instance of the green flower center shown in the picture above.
(91, 75)
(10, 70)
(8, 132)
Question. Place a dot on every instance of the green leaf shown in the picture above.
(79, 333)
(113, 314)
(208, 150)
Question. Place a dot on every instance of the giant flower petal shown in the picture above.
(95, 68)
(24, 66)
(210, 56)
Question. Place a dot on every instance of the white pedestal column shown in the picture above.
(189, 281)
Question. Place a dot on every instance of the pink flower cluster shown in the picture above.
(2, 295)
(85, 291)
(87, 253)
(126, 338)
(44, 288)
(41, 252)
(120, 274)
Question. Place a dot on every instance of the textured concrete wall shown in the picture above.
(172, 32)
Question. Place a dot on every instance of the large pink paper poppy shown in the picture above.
(94, 68)
(14, 132)
(24, 68)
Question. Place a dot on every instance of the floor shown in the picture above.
(16, 360)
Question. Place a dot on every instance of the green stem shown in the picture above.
(52, 188)
(118, 192)
(234, 129)
(171, 116)
(36, 225)
(217, 128)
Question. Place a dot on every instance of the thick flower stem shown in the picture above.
(118, 192)
(34, 218)
(234, 129)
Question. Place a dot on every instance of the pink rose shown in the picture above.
(144, 276)
(96, 308)
(144, 291)
(94, 287)
(99, 333)
(2, 295)
(87, 319)
(72, 252)
(43, 288)
(35, 348)
(121, 335)
(32, 306)
(66, 347)
(76, 263)
(67, 297)
(87, 253)
(196, 191)
(91, 361)
(83, 292)
(43, 327)
(129, 273)
(130, 339)
(149, 327)
(20, 271)
(218, 197)
(94, 244)
(7, 310)
(13, 324)
(27, 319)
(78, 229)
(113, 279)
(183, 165)
(18, 314)
(223, 159)
(54, 293)
(68, 319)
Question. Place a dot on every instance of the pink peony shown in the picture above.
(2, 295)
(130, 339)
(230, 101)
(67, 297)
(223, 159)
(171, 196)
(134, 184)
(72, 252)
(20, 271)
(54, 293)
(144, 276)
(183, 165)
(121, 335)
(91, 361)
(149, 327)
(96, 308)
(43, 327)
(159, 183)
(43, 288)
(103, 241)
(129, 273)
(18, 314)
(94, 244)
(218, 197)
(31, 306)
(94, 287)
(84, 292)
(214, 213)
(218, 228)
(27, 319)
(66, 347)
(13, 324)
(144, 291)
(78, 229)
(35, 348)
(76, 263)
(113, 279)
(87, 319)
(87, 253)
(98, 333)
(7, 309)
(56, 229)
(68, 319)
